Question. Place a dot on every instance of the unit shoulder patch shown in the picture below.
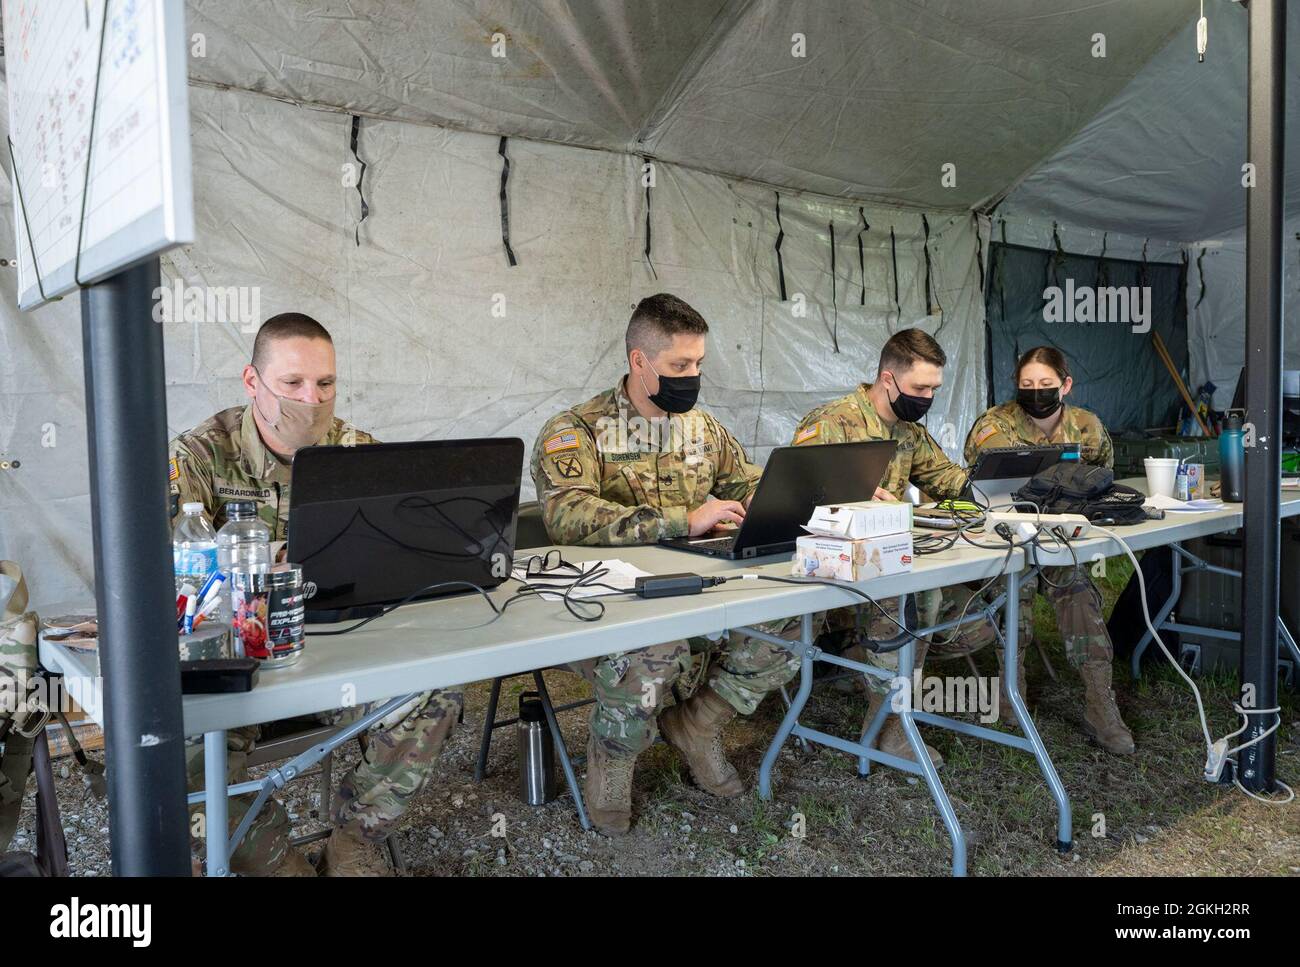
(569, 467)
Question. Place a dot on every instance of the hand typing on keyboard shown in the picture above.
(711, 513)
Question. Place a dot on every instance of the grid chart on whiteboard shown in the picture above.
(52, 53)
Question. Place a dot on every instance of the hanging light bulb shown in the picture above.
(1202, 35)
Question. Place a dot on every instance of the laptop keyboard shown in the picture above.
(714, 541)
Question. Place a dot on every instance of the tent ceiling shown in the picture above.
(889, 91)
(1164, 157)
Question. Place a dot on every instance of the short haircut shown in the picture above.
(904, 349)
(287, 325)
(657, 318)
(1049, 356)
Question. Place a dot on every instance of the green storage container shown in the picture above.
(1129, 454)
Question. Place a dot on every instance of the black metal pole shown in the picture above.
(1259, 592)
(126, 428)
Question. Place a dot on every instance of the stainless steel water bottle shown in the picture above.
(536, 751)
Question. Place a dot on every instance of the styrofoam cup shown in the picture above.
(1162, 474)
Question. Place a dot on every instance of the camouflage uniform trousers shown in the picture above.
(1073, 597)
(396, 766)
(631, 686)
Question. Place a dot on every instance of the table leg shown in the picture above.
(1011, 643)
(792, 714)
(562, 750)
(214, 802)
(1285, 633)
(1163, 613)
(906, 665)
(871, 728)
(489, 723)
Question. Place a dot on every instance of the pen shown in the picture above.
(187, 591)
(191, 606)
(207, 609)
(211, 585)
(211, 591)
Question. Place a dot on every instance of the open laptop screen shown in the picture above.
(371, 524)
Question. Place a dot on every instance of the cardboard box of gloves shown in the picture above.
(855, 542)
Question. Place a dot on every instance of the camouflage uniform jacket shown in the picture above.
(1007, 425)
(918, 459)
(606, 475)
(224, 459)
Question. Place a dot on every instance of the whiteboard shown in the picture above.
(138, 197)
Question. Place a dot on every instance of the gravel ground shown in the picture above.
(1149, 814)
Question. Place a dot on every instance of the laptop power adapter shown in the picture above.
(671, 585)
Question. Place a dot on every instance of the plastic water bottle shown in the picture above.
(194, 547)
(1232, 459)
(244, 542)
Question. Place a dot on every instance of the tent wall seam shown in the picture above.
(846, 200)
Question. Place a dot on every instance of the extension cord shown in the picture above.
(1074, 526)
(1215, 760)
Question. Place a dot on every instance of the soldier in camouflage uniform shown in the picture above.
(635, 464)
(1040, 416)
(246, 453)
(910, 371)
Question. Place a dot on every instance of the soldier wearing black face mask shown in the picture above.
(1039, 415)
(637, 463)
(909, 375)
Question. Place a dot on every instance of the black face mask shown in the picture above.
(677, 394)
(909, 408)
(1039, 403)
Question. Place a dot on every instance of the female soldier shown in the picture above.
(1039, 415)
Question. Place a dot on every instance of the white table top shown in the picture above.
(1176, 526)
(452, 641)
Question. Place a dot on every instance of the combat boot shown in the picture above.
(608, 789)
(1007, 714)
(694, 728)
(1101, 718)
(892, 739)
(349, 853)
(294, 864)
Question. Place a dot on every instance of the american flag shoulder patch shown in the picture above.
(807, 434)
(173, 471)
(566, 440)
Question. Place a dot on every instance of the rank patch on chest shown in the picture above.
(568, 440)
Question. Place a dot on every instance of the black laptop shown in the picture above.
(999, 471)
(796, 480)
(372, 524)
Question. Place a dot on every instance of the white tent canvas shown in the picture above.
(851, 111)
